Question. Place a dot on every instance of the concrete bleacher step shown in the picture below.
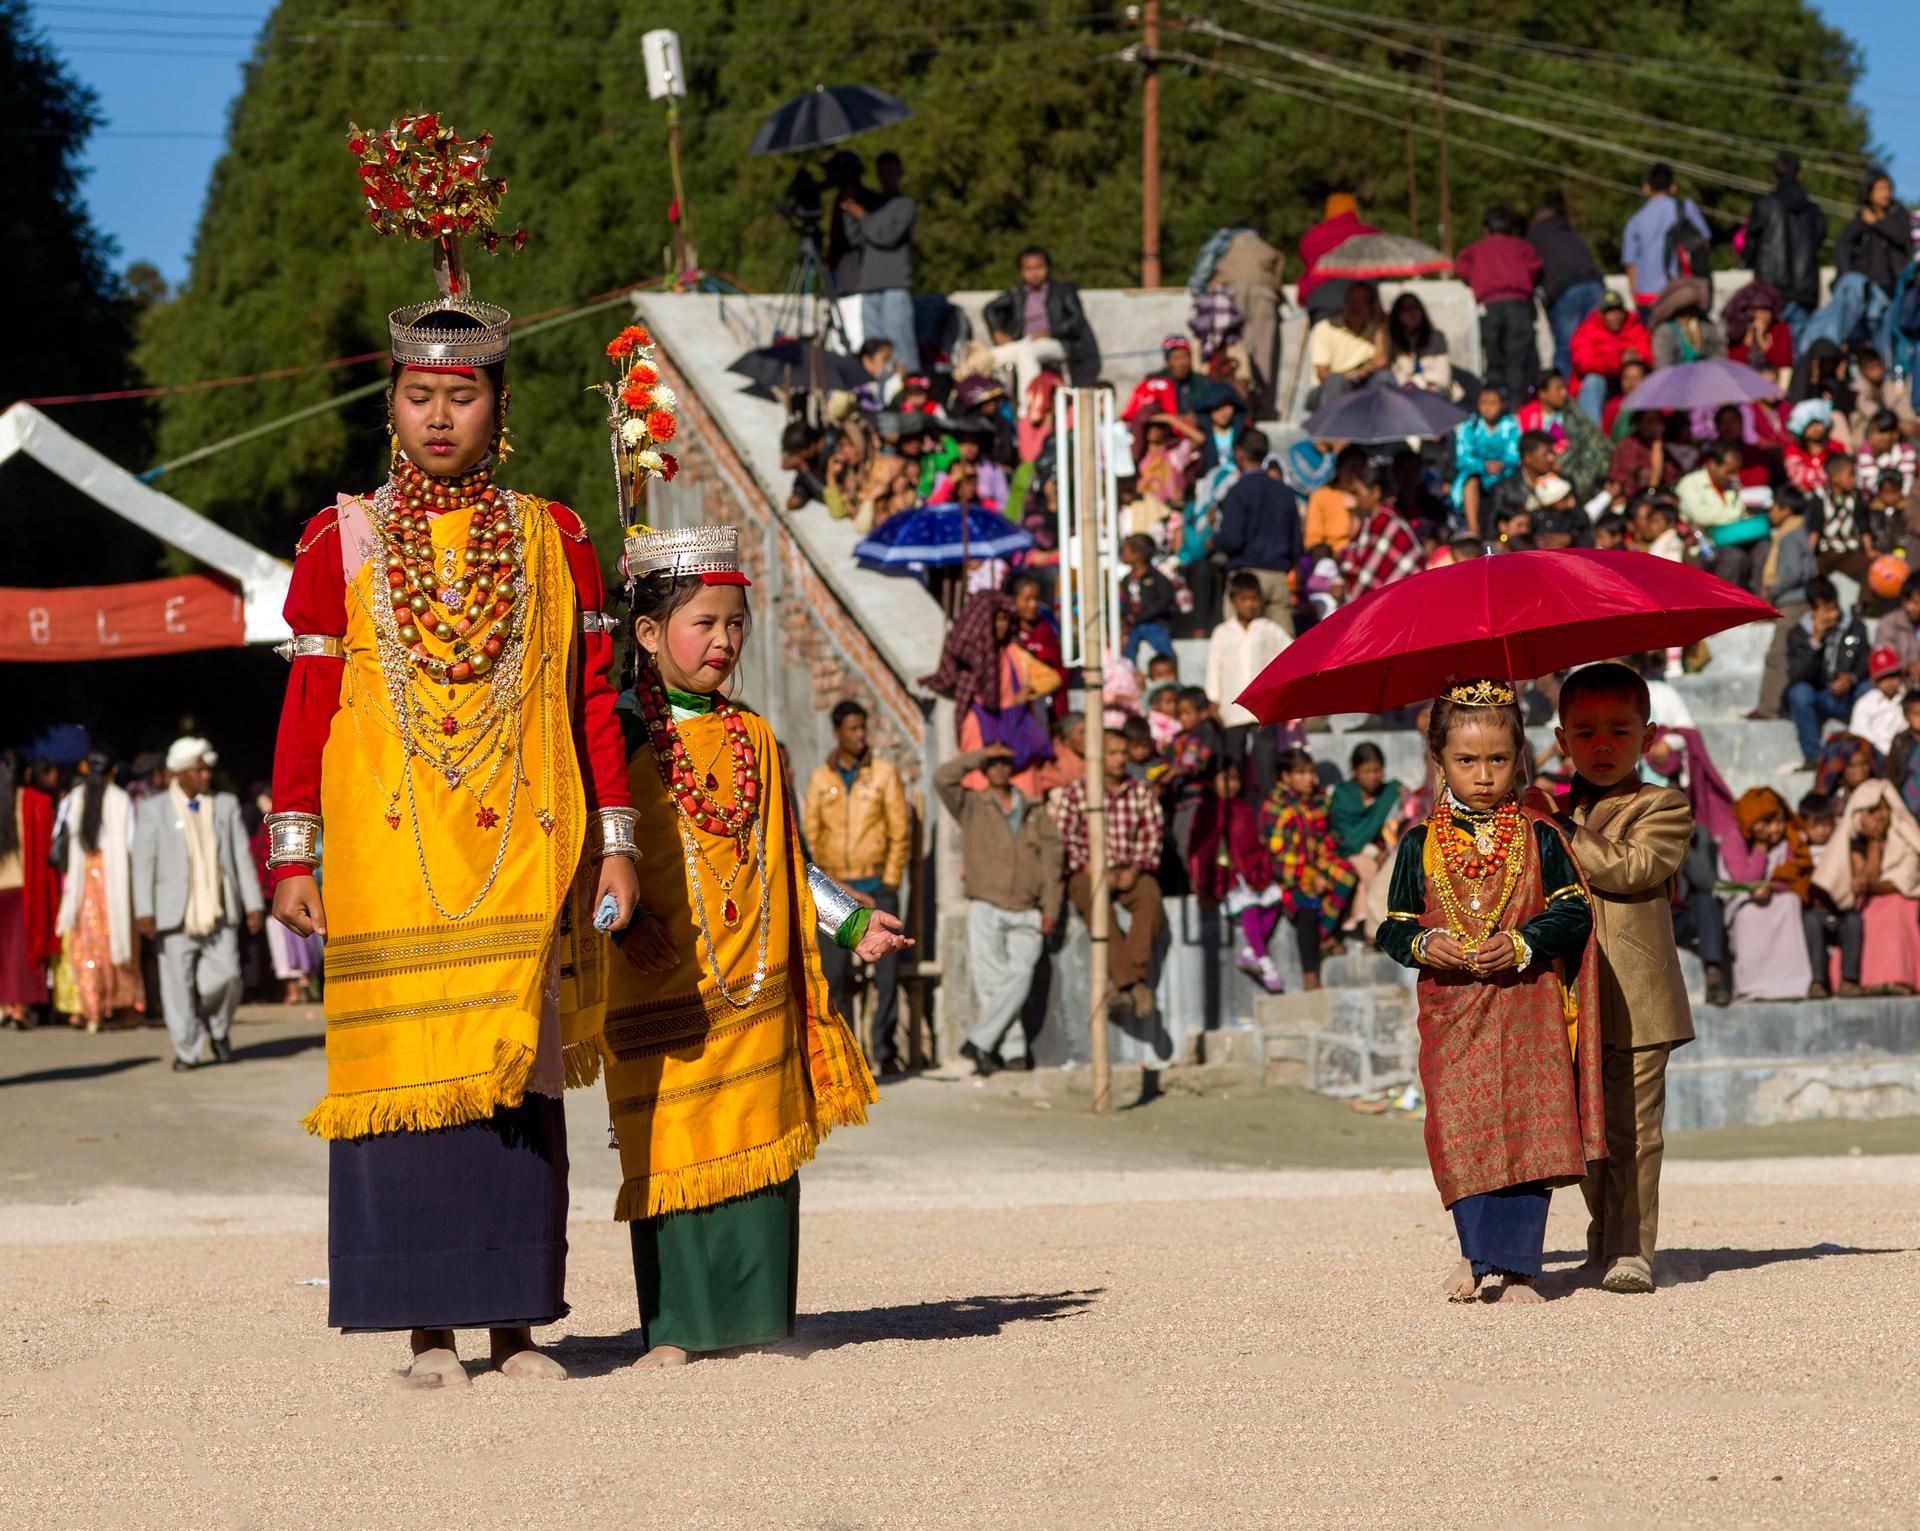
(1709, 1092)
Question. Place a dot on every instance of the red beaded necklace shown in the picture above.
(1488, 850)
(697, 796)
(456, 606)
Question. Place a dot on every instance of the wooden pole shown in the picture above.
(1413, 183)
(684, 256)
(1440, 123)
(1086, 501)
(1150, 151)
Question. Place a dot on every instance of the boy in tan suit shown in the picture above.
(1630, 839)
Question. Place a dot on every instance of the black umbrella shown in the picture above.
(1384, 414)
(827, 114)
(789, 364)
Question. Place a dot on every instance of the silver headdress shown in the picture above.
(710, 554)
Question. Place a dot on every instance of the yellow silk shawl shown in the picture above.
(433, 1008)
(711, 1099)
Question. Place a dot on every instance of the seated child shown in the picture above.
(1487, 904)
(1143, 755)
(1163, 699)
(1316, 882)
(1486, 448)
(1192, 758)
(1610, 532)
(1763, 915)
(1630, 838)
(1828, 927)
(1879, 714)
(1147, 600)
(1229, 866)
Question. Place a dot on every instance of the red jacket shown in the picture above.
(1595, 348)
(1321, 238)
(1499, 268)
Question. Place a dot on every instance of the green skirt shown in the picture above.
(723, 1276)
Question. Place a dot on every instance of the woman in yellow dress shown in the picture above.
(726, 1065)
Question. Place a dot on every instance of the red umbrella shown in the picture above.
(1511, 616)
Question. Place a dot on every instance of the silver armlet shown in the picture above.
(311, 645)
(832, 903)
(293, 840)
(616, 833)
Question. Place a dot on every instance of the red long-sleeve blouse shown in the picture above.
(317, 603)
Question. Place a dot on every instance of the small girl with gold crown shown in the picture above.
(725, 1063)
(1488, 904)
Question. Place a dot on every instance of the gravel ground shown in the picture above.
(1010, 1315)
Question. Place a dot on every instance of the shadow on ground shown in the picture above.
(78, 1071)
(280, 1047)
(1683, 1267)
(959, 1318)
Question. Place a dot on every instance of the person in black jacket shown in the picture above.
(1260, 528)
(1571, 282)
(1878, 243)
(1826, 666)
(1041, 308)
(1148, 604)
(1784, 234)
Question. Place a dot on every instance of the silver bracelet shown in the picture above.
(833, 904)
(617, 833)
(293, 840)
(312, 646)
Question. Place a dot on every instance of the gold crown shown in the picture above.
(1479, 693)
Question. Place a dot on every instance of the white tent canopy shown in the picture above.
(262, 578)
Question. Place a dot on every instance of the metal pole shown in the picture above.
(1086, 496)
(1440, 123)
(1150, 152)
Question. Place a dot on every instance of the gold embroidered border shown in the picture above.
(390, 1013)
(628, 1105)
(359, 966)
(662, 1033)
(713, 1003)
(423, 933)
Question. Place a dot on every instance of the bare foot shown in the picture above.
(514, 1355)
(1519, 1289)
(1462, 1285)
(435, 1363)
(662, 1356)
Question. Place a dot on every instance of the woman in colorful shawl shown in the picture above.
(996, 686)
(1845, 760)
(726, 1064)
(1361, 816)
(1764, 925)
(1872, 864)
(1316, 882)
(449, 720)
(1489, 907)
(96, 907)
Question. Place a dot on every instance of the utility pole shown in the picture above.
(1440, 122)
(1086, 500)
(1413, 183)
(1150, 151)
(685, 257)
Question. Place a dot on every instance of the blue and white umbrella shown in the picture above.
(932, 536)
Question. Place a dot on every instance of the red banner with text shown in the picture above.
(161, 616)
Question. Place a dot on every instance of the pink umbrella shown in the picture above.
(1381, 257)
(1701, 385)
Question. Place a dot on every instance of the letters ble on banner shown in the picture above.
(161, 616)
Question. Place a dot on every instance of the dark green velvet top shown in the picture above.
(1559, 930)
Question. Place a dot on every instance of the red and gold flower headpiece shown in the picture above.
(423, 181)
(640, 416)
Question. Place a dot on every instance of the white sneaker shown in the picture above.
(1270, 978)
(1249, 961)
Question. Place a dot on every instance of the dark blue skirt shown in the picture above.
(1504, 1232)
(463, 1228)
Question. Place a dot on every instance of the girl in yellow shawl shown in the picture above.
(726, 1065)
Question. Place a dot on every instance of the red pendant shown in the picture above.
(393, 818)
(712, 782)
(730, 912)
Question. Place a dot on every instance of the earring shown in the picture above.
(501, 446)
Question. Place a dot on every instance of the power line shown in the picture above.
(1703, 173)
(1401, 125)
(1566, 99)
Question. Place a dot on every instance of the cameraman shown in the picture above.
(842, 254)
(883, 233)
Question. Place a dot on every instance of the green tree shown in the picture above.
(69, 326)
(1026, 126)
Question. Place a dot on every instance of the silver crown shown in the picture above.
(418, 341)
(688, 552)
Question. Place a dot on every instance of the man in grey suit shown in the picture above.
(193, 884)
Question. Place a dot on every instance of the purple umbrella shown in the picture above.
(1701, 385)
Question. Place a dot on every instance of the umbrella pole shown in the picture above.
(1086, 498)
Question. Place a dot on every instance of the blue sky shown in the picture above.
(165, 74)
